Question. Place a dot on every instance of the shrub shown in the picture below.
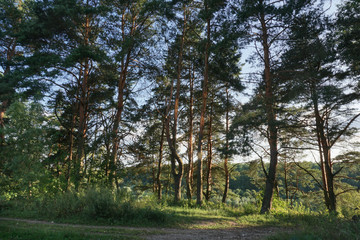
(99, 203)
(63, 205)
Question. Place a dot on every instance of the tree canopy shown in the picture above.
(156, 95)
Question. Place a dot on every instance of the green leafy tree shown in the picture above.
(27, 142)
(19, 71)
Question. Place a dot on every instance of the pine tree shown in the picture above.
(311, 61)
(18, 69)
(67, 33)
(128, 28)
(268, 22)
(348, 34)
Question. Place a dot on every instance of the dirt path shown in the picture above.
(245, 233)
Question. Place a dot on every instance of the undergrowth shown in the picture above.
(101, 206)
(94, 205)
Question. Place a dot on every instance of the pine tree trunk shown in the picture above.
(286, 181)
(120, 99)
(271, 122)
(323, 173)
(176, 162)
(83, 109)
(177, 172)
(226, 169)
(161, 144)
(189, 178)
(115, 130)
(324, 147)
(330, 180)
(3, 108)
(177, 183)
(71, 150)
(209, 158)
(199, 193)
(10, 53)
(82, 128)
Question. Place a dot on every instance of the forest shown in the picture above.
(132, 112)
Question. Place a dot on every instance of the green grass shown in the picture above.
(93, 206)
(102, 207)
(136, 216)
(308, 226)
(21, 230)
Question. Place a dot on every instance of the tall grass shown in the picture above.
(94, 205)
(103, 206)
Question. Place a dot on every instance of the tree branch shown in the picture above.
(344, 129)
(308, 172)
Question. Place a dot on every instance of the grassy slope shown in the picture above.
(306, 226)
(20, 230)
(102, 207)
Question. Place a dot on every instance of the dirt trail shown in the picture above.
(244, 233)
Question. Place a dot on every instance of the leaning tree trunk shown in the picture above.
(118, 115)
(125, 61)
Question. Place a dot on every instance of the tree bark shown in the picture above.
(189, 178)
(199, 193)
(226, 168)
(3, 108)
(71, 150)
(271, 120)
(161, 144)
(176, 162)
(120, 99)
(209, 158)
(83, 111)
(10, 53)
(115, 130)
(286, 181)
(324, 150)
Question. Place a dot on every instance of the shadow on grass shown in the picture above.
(309, 226)
(91, 209)
(11, 229)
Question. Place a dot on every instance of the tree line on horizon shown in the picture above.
(91, 87)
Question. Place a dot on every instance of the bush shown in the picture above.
(99, 203)
(63, 205)
(102, 204)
